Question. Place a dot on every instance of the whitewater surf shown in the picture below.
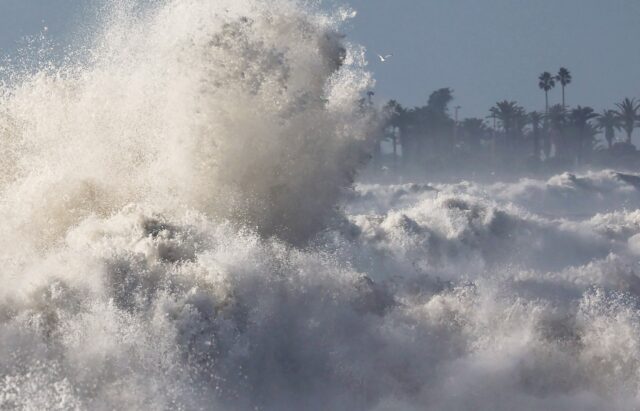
(181, 230)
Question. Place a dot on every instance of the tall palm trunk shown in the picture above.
(563, 104)
(546, 102)
(546, 147)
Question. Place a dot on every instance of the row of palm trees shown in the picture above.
(626, 117)
(569, 132)
(428, 134)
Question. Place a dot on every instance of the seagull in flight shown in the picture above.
(384, 59)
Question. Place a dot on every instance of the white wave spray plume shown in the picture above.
(167, 198)
(245, 112)
(241, 110)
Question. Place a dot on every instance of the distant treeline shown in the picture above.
(510, 138)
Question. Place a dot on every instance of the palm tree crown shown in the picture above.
(628, 114)
(508, 113)
(580, 120)
(535, 119)
(547, 81)
(608, 122)
(512, 117)
(580, 116)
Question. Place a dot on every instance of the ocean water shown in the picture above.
(181, 230)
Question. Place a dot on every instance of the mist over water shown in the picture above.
(178, 232)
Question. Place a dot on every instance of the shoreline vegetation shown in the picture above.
(510, 140)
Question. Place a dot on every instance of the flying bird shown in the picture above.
(384, 59)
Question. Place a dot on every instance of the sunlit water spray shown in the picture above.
(240, 110)
(171, 239)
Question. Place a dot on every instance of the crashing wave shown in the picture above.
(169, 243)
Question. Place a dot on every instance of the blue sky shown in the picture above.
(20, 18)
(486, 50)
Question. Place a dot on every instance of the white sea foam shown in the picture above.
(171, 239)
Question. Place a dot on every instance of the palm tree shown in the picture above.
(546, 83)
(608, 122)
(474, 130)
(557, 117)
(580, 117)
(535, 119)
(557, 121)
(396, 119)
(590, 143)
(564, 78)
(627, 113)
(510, 115)
(504, 111)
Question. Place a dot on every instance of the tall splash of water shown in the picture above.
(175, 115)
(241, 110)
